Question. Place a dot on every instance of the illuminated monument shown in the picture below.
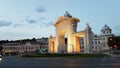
(68, 25)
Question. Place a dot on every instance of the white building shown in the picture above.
(25, 46)
(99, 42)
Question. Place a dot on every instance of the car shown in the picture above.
(117, 52)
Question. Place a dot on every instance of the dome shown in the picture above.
(106, 28)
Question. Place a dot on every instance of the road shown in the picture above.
(18, 62)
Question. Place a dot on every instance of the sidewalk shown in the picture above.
(114, 55)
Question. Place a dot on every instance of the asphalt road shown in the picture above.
(18, 62)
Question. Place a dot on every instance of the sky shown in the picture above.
(26, 19)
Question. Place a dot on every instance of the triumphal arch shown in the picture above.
(67, 38)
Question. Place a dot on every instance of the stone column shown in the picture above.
(51, 45)
(71, 31)
(70, 44)
(87, 39)
(57, 41)
(77, 45)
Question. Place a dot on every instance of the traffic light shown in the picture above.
(115, 46)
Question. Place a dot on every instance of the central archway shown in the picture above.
(62, 41)
(65, 24)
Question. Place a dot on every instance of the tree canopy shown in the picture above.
(1, 48)
(114, 42)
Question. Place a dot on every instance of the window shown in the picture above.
(95, 42)
(82, 42)
(103, 38)
(95, 47)
(104, 45)
(103, 32)
(82, 46)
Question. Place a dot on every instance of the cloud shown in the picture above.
(46, 23)
(31, 21)
(5, 23)
(14, 35)
(43, 21)
(41, 9)
(17, 25)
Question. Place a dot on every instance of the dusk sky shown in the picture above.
(26, 19)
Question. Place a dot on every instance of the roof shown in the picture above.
(105, 28)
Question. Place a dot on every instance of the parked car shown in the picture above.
(117, 52)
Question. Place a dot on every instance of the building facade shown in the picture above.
(99, 42)
(25, 47)
(83, 41)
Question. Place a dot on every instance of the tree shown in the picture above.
(114, 42)
(33, 39)
(1, 48)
